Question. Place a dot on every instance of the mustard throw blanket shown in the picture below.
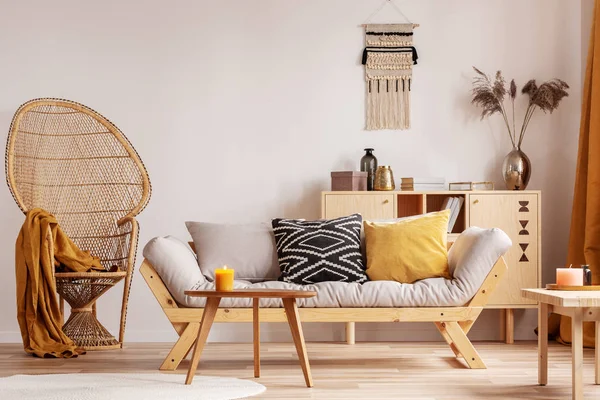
(37, 306)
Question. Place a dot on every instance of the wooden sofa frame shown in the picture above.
(453, 322)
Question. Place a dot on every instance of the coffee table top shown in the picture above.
(254, 293)
(563, 298)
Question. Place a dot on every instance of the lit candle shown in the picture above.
(224, 279)
(569, 276)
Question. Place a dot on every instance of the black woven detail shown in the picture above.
(378, 49)
(390, 33)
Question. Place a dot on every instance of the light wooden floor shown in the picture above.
(340, 371)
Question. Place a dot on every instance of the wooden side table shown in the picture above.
(580, 306)
(213, 299)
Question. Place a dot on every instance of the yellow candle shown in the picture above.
(569, 276)
(224, 279)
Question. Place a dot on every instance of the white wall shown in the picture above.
(240, 109)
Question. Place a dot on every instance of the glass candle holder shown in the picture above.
(224, 279)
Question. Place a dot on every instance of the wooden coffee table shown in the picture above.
(580, 306)
(213, 298)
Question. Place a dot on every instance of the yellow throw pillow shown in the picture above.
(408, 251)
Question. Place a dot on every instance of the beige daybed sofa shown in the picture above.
(476, 264)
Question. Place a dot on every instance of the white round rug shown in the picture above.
(125, 387)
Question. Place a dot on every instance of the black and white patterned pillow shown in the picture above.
(319, 251)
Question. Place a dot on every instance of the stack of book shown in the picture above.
(424, 184)
(454, 204)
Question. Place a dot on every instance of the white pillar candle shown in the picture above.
(569, 276)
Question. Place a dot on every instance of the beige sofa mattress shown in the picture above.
(470, 258)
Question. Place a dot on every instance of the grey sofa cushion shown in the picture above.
(470, 258)
(247, 248)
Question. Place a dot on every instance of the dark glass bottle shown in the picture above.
(368, 163)
(587, 275)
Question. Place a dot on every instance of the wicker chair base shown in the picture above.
(81, 290)
(87, 332)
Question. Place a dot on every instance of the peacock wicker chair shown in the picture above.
(68, 159)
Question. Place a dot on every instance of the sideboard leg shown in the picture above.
(350, 332)
(509, 326)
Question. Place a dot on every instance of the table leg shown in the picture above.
(291, 310)
(208, 316)
(577, 351)
(543, 344)
(256, 326)
(597, 381)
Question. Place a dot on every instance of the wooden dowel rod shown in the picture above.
(364, 25)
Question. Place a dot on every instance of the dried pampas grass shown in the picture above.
(490, 94)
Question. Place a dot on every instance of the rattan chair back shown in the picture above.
(69, 160)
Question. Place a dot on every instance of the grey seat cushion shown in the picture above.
(470, 258)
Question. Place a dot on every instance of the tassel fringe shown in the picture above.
(388, 103)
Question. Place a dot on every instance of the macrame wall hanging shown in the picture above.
(388, 57)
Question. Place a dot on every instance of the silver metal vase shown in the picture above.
(516, 170)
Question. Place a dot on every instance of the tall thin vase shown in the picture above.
(516, 169)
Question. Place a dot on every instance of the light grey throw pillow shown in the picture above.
(247, 248)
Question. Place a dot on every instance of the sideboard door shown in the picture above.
(517, 215)
(370, 206)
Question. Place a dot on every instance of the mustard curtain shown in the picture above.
(584, 240)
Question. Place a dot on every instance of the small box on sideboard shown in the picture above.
(348, 181)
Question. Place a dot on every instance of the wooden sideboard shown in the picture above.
(518, 213)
